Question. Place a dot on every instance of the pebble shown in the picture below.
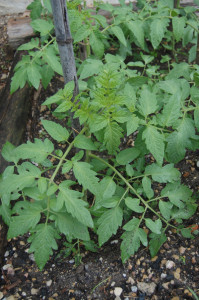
(124, 275)
(71, 261)
(117, 298)
(23, 294)
(114, 242)
(182, 250)
(166, 285)
(5, 267)
(11, 298)
(131, 280)
(31, 256)
(148, 288)
(134, 289)
(163, 275)
(177, 273)
(113, 283)
(175, 298)
(118, 291)
(34, 291)
(49, 282)
(1, 295)
(6, 254)
(170, 264)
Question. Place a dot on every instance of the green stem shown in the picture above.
(42, 49)
(132, 189)
(63, 158)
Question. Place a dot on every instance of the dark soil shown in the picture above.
(101, 275)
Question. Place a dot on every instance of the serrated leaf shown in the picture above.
(55, 130)
(42, 243)
(74, 205)
(82, 33)
(134, 205)
(157, 240)
(49, 56)
(47, 74)
(16, 182)
(70, 226)
(178, 27)
(138, 80)
(19, 79)
(108, 187)
(5, 212)
(137, 30)
(147, 102)
(157, 31)
(36, 9)
(132, 124)
(165, 209)
(86, 176)
(154, 226)
(129, 170)
(52, 189)
(109, 223)
(38, 151)
(112, 136)
(90, 67)
(117, 31)
(146, 183)
(21, 224)
(34, 75)
(67, 167)
(34, 43)
(179, 70)
(154, 143)
(8, 152)
(83, 142)
(42, 26)
(96, 45)
(177, 194)
(186, 213)
(127, 155)
(42, 185)
(163, 174)
(196, 117)
(171, 112)
(97, 123)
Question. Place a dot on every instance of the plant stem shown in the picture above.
(132, 189)
(63, 157)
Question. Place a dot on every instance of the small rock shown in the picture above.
(131, 280)
(175, 256)
(55, 295)
(117, 298)
(177, 273)
(6, 254)
(170, 264)
(113, 283)
(193, 260)
(34, 291)
(182, 250)
(134, 289)
(49, 282)
(166, 285)
(71, 261)
(163, 275)
(4, 76)
(6, 267)
(154, 258)
(31, 257)
(22, 243)
(175, 298)
(118, 291)
(124, 275)
(23, 294)
(114, 242)
(1, 295)
(148, 288)
(11, 298)
(10, 271)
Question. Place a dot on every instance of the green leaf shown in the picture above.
(154, 226)
(146, 183)
(196, 117)
(50, 56)
(134, 205)
(70, 226)
(27, 220)
(109, 223)
(42, 243)
(177, 193)
(42, 185)
(5, 212)
(117, 31)
(47, 74)
(132, 124)
(16, 182)
(8, 152)
(154, 143)
(137, 30)
(147, 102)
(156, 242)
(96, 45)
(89, 68)
(34, 43)
(38, 151)
(19, 79)
(179, 70)
(86, 176)
(82, 33)
(163, 174)
(165, 209)
(128, 155)
(171, 112)
(186, 213)
(129, 170)
(178, 27)
(157, 31)
(55, 130)
(83, 142)
(36, 9)
(67, 167)
(97, 123)
(74, 205)
(108, 187)
(42, 26)
(112, 136)
(34, 75)
(138, 80)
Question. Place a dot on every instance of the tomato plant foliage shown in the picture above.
(142, 92)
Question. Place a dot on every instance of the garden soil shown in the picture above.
(101, 275)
